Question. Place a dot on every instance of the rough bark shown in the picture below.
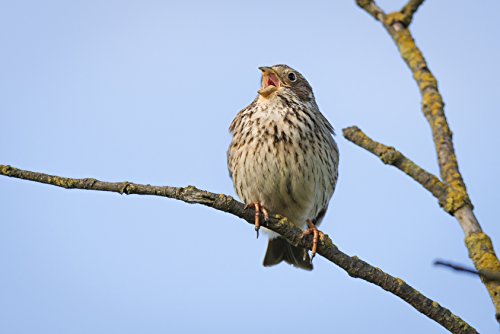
(354, 266)
(450, 189)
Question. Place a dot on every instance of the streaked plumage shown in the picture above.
(283, 156)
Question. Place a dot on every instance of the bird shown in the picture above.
(283, 159)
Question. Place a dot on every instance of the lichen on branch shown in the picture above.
(450, 189)
(354, 266)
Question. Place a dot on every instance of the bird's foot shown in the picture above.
(317, 235)
(258, 209)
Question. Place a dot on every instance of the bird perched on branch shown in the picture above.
(283, 159)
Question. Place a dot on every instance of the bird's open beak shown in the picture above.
(270, 81)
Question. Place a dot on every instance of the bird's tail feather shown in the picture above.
(279, 250)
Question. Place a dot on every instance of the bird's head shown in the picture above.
(282, 79)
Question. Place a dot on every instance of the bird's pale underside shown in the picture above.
(283, 158)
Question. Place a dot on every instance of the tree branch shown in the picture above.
(354, 266)
(456, 200)
(409, 10)
(486, 275)
(371, 8)
(391, 156)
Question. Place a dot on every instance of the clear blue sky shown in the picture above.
(144, 91)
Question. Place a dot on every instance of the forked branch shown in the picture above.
(450, 189)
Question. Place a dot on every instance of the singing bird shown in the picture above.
(283, 159)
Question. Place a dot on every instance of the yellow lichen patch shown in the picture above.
(483, 255)
(436, 110)
(481, 252)
(427, 98)
(5, 169)
(61, 182)
(400, 281)
(440, 121)
(390, 156)
(392, 18)
(281, 220)
(409, 51)
(455, 199)
(435, 304)
(425, 79)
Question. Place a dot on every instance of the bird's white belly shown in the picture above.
(280, 180)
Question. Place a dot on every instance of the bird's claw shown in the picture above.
(258, 209)
(317, 235)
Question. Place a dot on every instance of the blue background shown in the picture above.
(144, 91)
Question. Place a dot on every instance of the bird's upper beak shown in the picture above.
(270, 81)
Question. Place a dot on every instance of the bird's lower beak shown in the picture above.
(270, 81)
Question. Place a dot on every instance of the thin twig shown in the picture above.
(354, 266)
(486, 275)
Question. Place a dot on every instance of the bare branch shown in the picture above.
(391, 156)
(486, 275)
(405, 16)
(371, 7)
(433, 109)
(409, 10)
(456, 201)
(354, 266)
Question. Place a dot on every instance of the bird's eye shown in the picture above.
(292, 77)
